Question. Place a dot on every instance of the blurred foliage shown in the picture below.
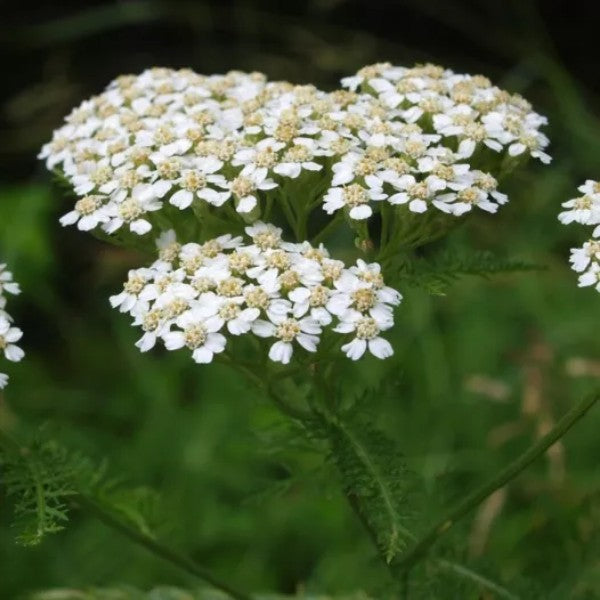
(481, 372)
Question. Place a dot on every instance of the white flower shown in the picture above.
(304, 331)
(264, 235)
(352, 292)
(132, 209)
(297, 158)
(7, 285)
(584, 210)
(590, 188)
(415, 193)
(227, 311)
(591, 277)
(313, 299)
(366, 330)
(8, 336)
(194, 183)
(245, 186)
(88, 212)
(132, 296)
(356, 197)
(581, 257)
(199, 334)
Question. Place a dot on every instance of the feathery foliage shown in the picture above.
(44, 477)
(41, 479)
(437, 274)
(374, 477)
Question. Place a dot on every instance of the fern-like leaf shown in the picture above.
(375, 480)
(438, 274)
(41, 479)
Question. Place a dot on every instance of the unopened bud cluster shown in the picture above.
(9, 335)
(585, 209)
(199, 296)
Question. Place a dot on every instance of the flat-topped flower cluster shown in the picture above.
(404, 136)
(199, 295)
(585, 209)
(9, 335)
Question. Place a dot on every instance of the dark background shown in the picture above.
(58, 53)
(482, 372)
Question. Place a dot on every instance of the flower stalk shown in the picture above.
(88, 504)
(475, 498)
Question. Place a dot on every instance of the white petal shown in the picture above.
(140, 226)
(13, 353)
(380, 348)
(69, 218)
(355, 349)
(281, 352)
(263, 329)
(417, 206)
(361, 212)
(215, 342)
(146, 342)
(174, 340)
(308, 342)
(202, 355)
(181, 199)
(161, 187)
(246, 204)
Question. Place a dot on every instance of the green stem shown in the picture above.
(331, 226)
(179, 560)
(480, 580)
(472, 500)
(289, 214)
(265, 386)
(83, 501)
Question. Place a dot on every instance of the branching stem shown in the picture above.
(155, 547)
(472, 500)
(83, 501)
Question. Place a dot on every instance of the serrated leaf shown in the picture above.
(438, 274)
(375, 479)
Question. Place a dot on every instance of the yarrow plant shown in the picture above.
(280, 220)
(9, 334)
(585, 209)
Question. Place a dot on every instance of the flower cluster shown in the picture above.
(8, 334)
(197, 295)
(405, 136)
(585, 209)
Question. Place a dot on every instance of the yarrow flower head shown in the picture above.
(200, 296)
(9, 334)
(175, 156)
(585, 209)
(413, 138)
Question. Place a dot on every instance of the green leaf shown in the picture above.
(41, 479)
(375, 479)
(438, 274)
